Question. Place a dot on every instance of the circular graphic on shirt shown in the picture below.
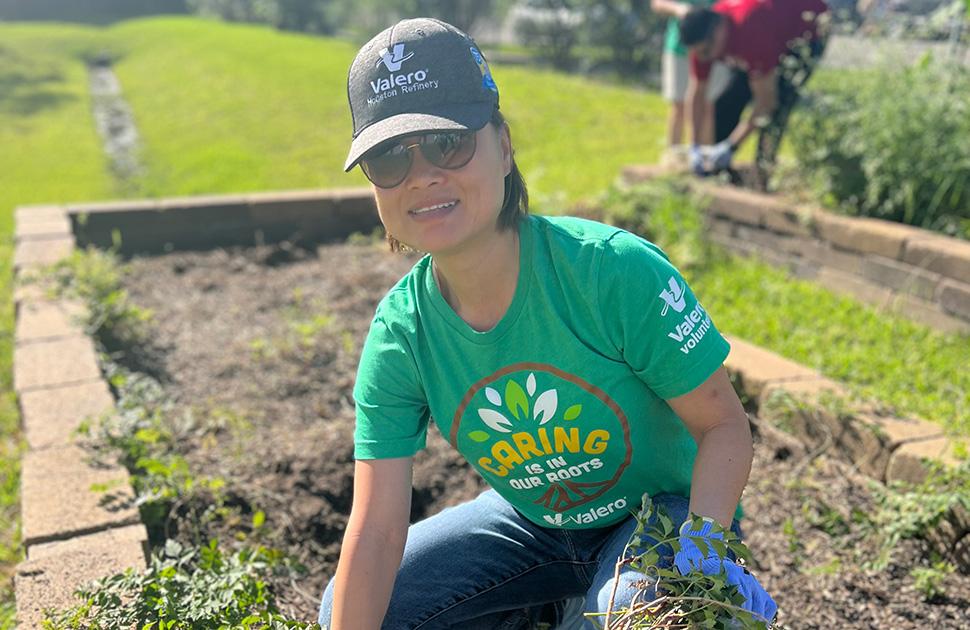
(555, 440)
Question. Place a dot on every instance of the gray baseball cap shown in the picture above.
(418, 76)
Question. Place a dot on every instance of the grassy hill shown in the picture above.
(235, 107)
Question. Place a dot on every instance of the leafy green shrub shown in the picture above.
(183, 589)
(890, 143)
(667, 213)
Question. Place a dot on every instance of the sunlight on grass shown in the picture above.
(889, 358)
(226, 108)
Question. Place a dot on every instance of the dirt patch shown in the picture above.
(263, 344)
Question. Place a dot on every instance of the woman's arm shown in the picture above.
(714, 416)
(373, 543)
(670, 7)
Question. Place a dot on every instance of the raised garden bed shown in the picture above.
(257, 346)
(234, 338)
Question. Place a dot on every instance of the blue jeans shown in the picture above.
(482, 565)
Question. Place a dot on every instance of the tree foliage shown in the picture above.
(624, 36)
(363, 16)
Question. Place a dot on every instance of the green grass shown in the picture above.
(232, 107)
(913, 368)
(50, 154)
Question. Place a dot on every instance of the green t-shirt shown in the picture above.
(672, 38)
(560, 407)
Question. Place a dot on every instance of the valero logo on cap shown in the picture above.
(410, 82)
(394, 61)
(418, 76)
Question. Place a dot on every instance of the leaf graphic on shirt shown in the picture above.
(546, 405)
(495, 420)
(479, 436)
(493, 396)
(516, 400)
(573, 412)
(530, 384)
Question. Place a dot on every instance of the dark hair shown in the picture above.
(698, 25)
(515, 204)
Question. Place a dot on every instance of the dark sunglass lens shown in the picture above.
(449, 150)
(388, 168)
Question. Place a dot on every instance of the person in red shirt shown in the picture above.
(773, 45)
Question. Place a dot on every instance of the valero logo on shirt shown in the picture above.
(673, 297)
(538, 432)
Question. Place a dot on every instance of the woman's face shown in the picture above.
(442, 211)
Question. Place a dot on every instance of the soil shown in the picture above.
(261, 345)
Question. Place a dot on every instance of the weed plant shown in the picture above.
(694, 600)
(913, 510)
(184, 588)
(94, 276)
(145, 434)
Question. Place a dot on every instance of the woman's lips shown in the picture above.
(433, 210)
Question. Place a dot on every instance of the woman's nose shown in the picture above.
(422, 173)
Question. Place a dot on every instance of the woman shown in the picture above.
(565, 359)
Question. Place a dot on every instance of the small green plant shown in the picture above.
(825, 517)
(929, 580)
(94, 277)
(184, 588)
(795, 545)
(694, 600)
(143, 432)
(911, 511)
(306, 321)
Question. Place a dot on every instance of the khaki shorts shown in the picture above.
(675, 70)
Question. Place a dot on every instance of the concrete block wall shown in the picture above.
(920, 274)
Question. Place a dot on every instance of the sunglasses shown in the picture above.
(388, 165)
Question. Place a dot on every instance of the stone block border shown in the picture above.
(914, 272)
(74, 533)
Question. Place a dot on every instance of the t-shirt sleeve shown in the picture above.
(653, 318)
(391, 407)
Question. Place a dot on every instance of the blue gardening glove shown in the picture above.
(691, 557)
(695, 160)
(720, 155)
